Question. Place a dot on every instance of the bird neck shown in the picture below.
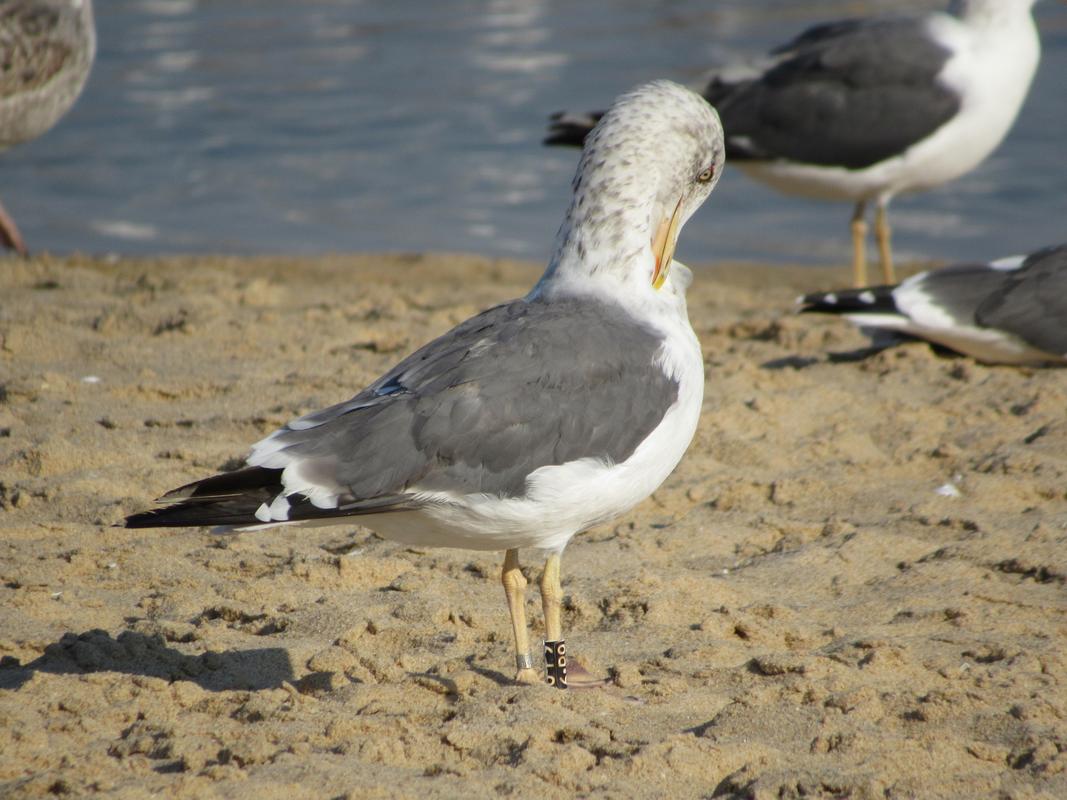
(602, 247)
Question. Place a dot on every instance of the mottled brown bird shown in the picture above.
(46, 52)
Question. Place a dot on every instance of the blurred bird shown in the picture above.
(46, 51)
(1012, 311)
(865, 109)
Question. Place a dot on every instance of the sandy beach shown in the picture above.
(852, 586)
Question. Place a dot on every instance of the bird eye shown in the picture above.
(706, 175)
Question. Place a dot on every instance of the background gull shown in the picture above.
(46, 52)
(865, 109)
(1012, 311)
(535, 419)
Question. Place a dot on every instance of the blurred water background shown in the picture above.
(309, 126)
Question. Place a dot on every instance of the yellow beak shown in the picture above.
(663, 246)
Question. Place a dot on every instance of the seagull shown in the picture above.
(1011, 311)
(46, 51)
(531, 421)
(862, 110)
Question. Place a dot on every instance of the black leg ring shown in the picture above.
(556, 663)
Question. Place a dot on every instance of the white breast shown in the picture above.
(992, 71)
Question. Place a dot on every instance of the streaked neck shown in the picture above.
(603, 244)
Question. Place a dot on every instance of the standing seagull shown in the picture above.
(1012, 311)
(535, 419)
(866, 109)
(46, 50)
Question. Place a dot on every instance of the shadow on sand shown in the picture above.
(136, 653)
(803, 362)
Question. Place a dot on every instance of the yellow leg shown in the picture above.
(883, 233)
(859, 245)
(515, 590)
(552, 599)
(551, 602)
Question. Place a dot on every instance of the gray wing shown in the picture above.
(521, 386)
(846, 94)
(1032, 301)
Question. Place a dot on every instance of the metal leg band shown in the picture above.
(524, 661)
(556, 664)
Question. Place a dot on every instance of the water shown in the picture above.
(308, 126)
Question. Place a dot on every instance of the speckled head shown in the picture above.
(647, 166)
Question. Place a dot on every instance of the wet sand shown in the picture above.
(853, 585)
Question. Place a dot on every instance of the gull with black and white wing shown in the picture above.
(1010, 311)
(533, 420)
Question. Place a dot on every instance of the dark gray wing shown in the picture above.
(845, 94)
(826, 32)
(960, 289)
(1032, 301)
(518, 387)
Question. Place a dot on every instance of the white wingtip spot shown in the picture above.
(300, 478)
(1008, 264)
(866, 297)
(263, 513)
(830, 298)
(279, 509)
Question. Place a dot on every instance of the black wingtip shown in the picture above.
(169, 517)
(229, 499)
(570, 130)
(146, 519)
(226, 484)
(566, 136)
(875, 299)
(229, 514)
(818, 302)
(561, 141)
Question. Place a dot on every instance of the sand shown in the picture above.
(853, 585)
